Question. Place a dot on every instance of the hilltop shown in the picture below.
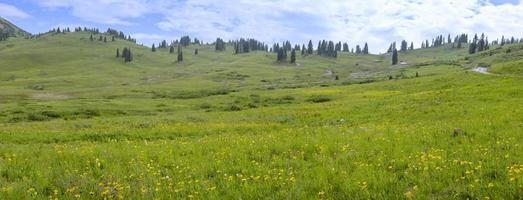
(7, 29)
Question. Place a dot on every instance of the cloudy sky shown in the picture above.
(378, 22)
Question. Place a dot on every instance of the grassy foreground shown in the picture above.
(390, 139)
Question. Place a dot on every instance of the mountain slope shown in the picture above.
(10, 30)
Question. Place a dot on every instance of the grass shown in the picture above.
(225, 126)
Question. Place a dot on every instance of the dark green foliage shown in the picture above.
(185, 41)
(319, 99)
(310, 48)
(219, 45)
(127, 55)
(171, 50)
(248, 45)
(345, 47)
(365, 50)
(394, 57)
(180, 55)
(293, 56)
(281, 55)
(404, 45)
(153, 49)
(117, 52)
(328, 49)
(196, 52)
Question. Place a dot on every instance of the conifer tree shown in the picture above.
(196, 52)
(180, 54)
(365, 49)
(171, 50)
(153, 48)
(117, 52)
(310, 49)
(345, 47)
(105, 39)
(113, 39)
(303, 50)
(293, 56)
(404, 46)
(91, 38)
(394, 57)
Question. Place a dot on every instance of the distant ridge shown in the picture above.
(8, 29)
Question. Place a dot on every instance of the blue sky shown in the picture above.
(377, 22)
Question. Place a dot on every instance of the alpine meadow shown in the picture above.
(92, 113)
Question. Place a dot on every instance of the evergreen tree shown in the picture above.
(404, 45)
(303, 50)
(113, 39)
(196, 52)
(358, 49)
(171, 50)
(117, 52)
(319, 48)
(365, 49)
(185, 41)
(105, 39)
(394, 57)
(180, 54)
(91, 38)
(153, 49)
(473, 46)
(293, 56)
(411, 46)
(310, 49)
(345, 47)
(219, 45)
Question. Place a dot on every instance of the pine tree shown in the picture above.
(365, 49)
(293, 56)
(196, 52)
(474, 45)
(394, 57)
(411, 46)
(180, 54)
(404, 45)
(153, 49)
(171, 50)
(358, 49)
(91, 38)
(310, 49)
(105, 39)
(345, 47)
(113, 39)
(219, 45)
(117, 52)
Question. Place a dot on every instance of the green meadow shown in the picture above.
(78, 123)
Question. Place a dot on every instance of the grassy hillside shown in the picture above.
(78, 123)
(11, 30)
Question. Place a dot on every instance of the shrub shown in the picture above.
(319, 99)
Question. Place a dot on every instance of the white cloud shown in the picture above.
(7, 10)
(114, 12)
(377, 22)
